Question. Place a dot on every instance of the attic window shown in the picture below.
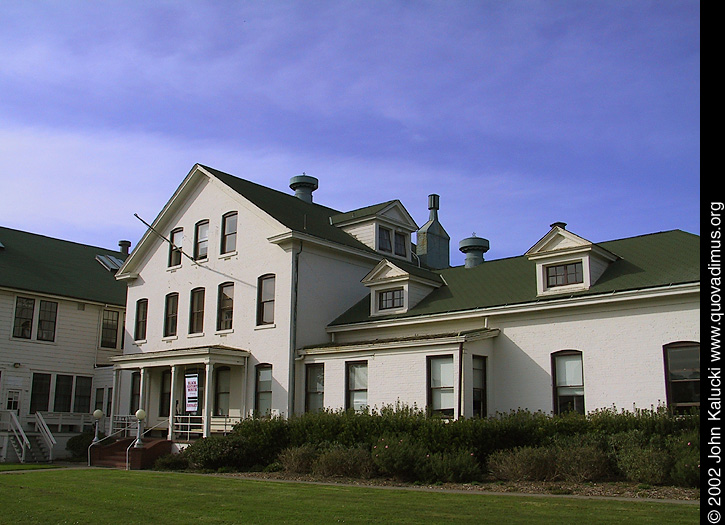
(563, 274)
(388, 299)
(384, 240)
(400, 244)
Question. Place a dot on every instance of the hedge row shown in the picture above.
(403, 443)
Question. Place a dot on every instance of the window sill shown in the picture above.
(265, 326)
(140, 342)
(224, 332)
(227, 255)
(172, 269)
(196, 334)
(170, 338)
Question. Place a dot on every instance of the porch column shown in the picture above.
(115, 385)
(142, 389)
(172, 401)
(209, 391)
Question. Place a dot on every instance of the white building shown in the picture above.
(61, 321)
(245, 300)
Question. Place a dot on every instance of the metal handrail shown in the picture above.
(97, 442)
(142, 435)
(48, 437)
(16, 427)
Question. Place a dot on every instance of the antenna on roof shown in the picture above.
(173, 246)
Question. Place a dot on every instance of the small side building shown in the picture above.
(61, 320)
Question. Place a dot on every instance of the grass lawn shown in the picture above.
(114, 496)
(4, 467)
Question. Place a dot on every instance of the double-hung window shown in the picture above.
(263, 390)
(229, 233)
(196, 313)
(265, 299)
(440, 386)
(109, 329)
(225, 311)
(479, 386)
(682, 372)
(40, 393)
(222, 387)
(46, 320)
(165, 394)
(82, 395)
(568, 381)
(171, 315)
(23, 324)
(385, 243)
(357, 386)
(401, 242)
(201, 240)
(142, 310)
(176, 238)
(315, 388)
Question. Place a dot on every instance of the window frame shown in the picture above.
(175, 248)
(171, 314)
(45, 323)
(432, 390)
(262, 303)
(201, 244)
(196, 315)
(105, 330)
(141, 321)
(219, 393)
(309, 393)
(577, 407)
(225, 307)
(385, 239)
(165, 394)
(578, 274)
(82, 398)
(400, 244)
(229, 236)
(350, 391)
(395, 297)
(680, 407)
(40, 392)
(482, 409)
(258, 391)
(21, 323)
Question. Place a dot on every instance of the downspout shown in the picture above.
(460, 379)
(293, 332)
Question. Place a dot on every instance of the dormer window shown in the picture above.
(563, 274)
(388, 299)
(401, 241)
(384, 240)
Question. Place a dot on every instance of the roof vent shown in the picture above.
(303, 186)
(474, 248)
(125, 246)
(561, 225)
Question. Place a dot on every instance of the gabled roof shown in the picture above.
(294, 213)
(647, 261)
(35, 263)
(383, 210)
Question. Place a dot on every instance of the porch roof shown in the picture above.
(215, 354)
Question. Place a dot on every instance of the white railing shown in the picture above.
(133, 443)
(125, 424)
(69, 419)
(42, 426)
(189, 425)
(17, 430)
(224, 424)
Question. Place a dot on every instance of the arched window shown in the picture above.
(142, 309)
(222, 385)
(201, 240)
(568, 380)
(229, 232)
(682, 376)
(171, 314)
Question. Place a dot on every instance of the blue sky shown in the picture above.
(517, 113)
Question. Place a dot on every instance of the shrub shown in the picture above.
(685, 450)
(340, 461)
(172, 462)
(583, 457)
(524, 464)
(453, 467)
(298, 460)
(399, 457)
(641, 459)
(78, 445)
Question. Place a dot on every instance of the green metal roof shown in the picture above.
(294, 213)
(646, 261)
(35, 263)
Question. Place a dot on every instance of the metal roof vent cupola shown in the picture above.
(303, 186)
(474, 248)
(432, 240)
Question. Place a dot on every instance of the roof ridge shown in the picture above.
(57, 239)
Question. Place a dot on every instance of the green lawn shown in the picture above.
(114, 496)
